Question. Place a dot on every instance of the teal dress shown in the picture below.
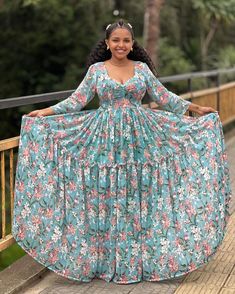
(122, 193)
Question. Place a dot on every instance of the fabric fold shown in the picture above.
(124, 195)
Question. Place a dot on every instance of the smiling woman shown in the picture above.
(120, 44)
(123, 193)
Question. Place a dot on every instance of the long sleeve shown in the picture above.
(80, 97)
(166, 99)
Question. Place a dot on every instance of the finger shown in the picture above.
(31, 114)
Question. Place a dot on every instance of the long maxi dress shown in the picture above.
(122, 193)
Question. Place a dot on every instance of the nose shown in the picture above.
(120, 44)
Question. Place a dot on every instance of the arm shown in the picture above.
(80, 97)
(165, 98)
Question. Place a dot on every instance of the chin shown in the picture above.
(120, 56)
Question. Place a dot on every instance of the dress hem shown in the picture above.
(133, 281)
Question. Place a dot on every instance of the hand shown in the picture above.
(38, 113)
(202, 110)
(41, 112)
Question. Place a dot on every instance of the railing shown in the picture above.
(225, 104)
(33, 99)
(222, 98)
(7, 145)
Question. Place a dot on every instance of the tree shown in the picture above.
(152, 28)
(45, 46)
(212, 13)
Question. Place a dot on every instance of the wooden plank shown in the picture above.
(3, 183)
(6, 242)
(9, 143)
(11, 181)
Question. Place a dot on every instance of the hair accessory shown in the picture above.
(129, 25)
(108, 26)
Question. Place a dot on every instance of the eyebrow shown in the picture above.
(119, 38)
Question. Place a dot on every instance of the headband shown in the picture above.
(119, 25)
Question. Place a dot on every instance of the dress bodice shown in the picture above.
(113, 94)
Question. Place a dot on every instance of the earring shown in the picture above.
(107, 47)
(131, 49)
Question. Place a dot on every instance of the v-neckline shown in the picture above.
(115, 81)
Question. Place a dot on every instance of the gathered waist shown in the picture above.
(120, 103)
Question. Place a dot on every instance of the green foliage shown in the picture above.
(179, 24)
(133, 12)
(36, 44)
(31, 2)
(222, 10)
(45, 48)
(199, 28)
(172, 59)
(43, 40)
(226, 57)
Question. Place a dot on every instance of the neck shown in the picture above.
(119, 62)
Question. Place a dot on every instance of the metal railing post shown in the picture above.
(190, 90)
(218, 91)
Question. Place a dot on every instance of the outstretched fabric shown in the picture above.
(122, 193)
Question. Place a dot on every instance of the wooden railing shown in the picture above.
(221, 98)
(7, 145)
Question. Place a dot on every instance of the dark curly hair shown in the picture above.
(100, 52)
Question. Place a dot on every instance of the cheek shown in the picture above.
(113, 45)
(128, 45)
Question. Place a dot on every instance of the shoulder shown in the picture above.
(142, 66)
(143, 69)
(93, 68)
(140, 63)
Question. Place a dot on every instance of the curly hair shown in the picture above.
(100, 52)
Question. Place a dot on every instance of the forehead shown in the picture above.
(121, 33)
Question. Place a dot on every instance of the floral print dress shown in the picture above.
(122, 193)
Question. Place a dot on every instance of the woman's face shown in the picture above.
(120, 43)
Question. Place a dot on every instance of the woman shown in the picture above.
(122, 193)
